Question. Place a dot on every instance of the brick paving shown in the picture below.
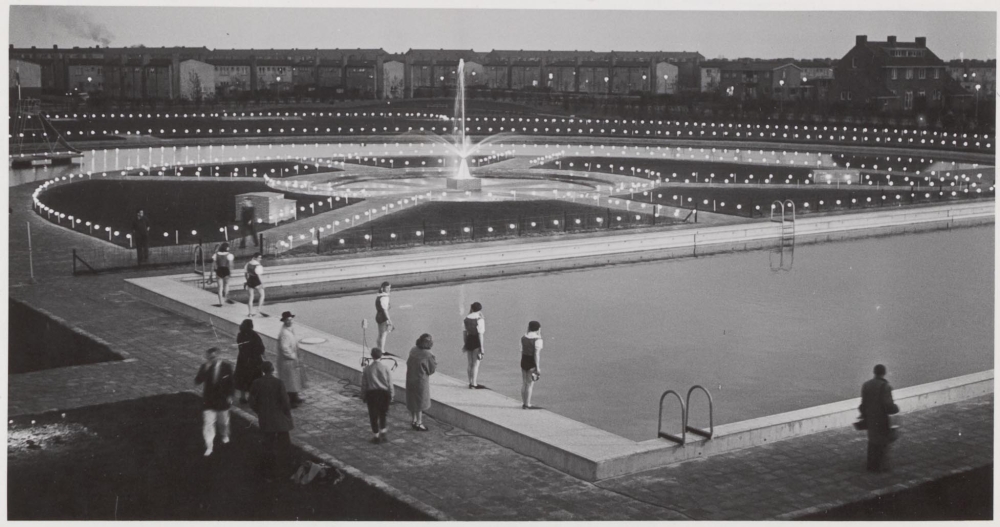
(463, 476)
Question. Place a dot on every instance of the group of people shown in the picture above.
(253, 272)
(271, 398)
(376, 379)
(474, 347)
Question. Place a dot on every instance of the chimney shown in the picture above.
(54, 46)
(921, 42)
(860, 40)
(892, 40)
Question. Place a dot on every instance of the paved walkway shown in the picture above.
(463, 476)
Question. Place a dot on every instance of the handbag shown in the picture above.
(861, 424)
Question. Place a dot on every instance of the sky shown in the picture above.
(640, 25)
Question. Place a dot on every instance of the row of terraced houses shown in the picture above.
(890, 74)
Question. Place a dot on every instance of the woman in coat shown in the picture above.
(249, 360)
(419, 367)
(289, 366)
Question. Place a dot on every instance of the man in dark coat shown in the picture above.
(247, 213)
(217, 376)
(269, 400)
(140, 235)
(876, 407)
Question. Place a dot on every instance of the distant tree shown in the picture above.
(196, 87)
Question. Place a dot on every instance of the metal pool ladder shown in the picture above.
(199, 258)
(787, 223)
(685, 428)
(786, 243)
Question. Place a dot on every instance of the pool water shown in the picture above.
(761, 341)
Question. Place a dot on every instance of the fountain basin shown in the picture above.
(454, 183)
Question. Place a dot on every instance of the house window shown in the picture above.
(937, 73)
(909, 73)
(908, 100)
(848, 95)
(921, 73)
(895, 73)
(854, 62)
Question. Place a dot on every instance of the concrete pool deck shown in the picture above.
(450, 473)
(578, 449)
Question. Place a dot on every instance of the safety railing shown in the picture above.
(685, 407)
(711, 417)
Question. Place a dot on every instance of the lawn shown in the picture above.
(677, 170)
(142, 460)
(452, 222)
(368, 121)
(747, 200)
(173, 206)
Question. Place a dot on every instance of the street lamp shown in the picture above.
(978, 86)
(781, 98)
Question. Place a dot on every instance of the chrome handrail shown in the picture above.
(659, 423)
(711, 424)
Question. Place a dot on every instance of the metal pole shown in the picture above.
(31, 262)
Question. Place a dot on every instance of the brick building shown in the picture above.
(890, 75)
(750, 79)
(155, 73)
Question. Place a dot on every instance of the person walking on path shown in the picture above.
(289, 367)
(269, 400)
(876, 407)
(223, 260)
(377, 392)
(249, 360)
(382, 315)
(420, 365)
(531, 362)
(217, 376)
(249, 223)
(140, 235)
(473, 330)
(253, 271)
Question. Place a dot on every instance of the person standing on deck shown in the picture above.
(531, 362)
(382, 315)
(474, 326)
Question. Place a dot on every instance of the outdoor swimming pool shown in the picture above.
(762, 342)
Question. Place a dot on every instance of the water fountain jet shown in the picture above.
(462, 180)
